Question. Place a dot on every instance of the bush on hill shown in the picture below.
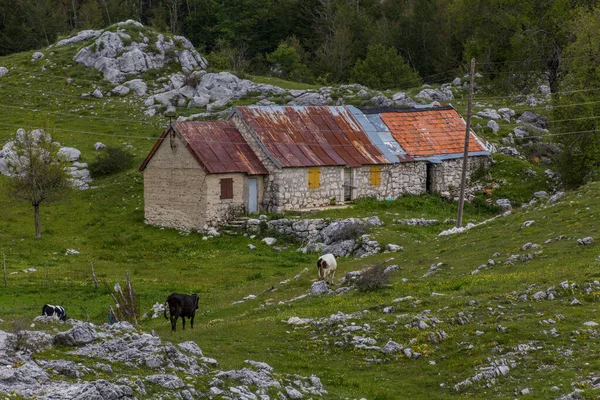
(110, 161)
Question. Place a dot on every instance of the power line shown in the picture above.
(79, 116)
(83, 132)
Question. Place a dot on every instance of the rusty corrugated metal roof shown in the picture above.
(430, 132)
(311, 136)
(220, 147)
(217, 145)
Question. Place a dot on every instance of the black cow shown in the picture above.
(181, 305)
(54, 311)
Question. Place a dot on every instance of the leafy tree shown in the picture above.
(384, 68)
(37, 174)
(578, 107)
(284, 57)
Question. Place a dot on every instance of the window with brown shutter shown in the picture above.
(226, 188)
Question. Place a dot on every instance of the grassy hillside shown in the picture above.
(489, 318)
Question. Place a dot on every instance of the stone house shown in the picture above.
(315, 155)
(201, 174)
(279, 158)
(434, 136)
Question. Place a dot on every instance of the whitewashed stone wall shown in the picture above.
(396, 179)
(448, 173)
(287, 188)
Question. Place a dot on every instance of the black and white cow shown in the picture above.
(54, 311)
(181, 305)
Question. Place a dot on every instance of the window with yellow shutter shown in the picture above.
(314, 178)
(375, 176)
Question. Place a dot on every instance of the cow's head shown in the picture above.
(195, 298)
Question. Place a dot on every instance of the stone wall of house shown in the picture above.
(295, 193)
(287, 188)
(174, 186)
(396, 179)
(448, 173)
(219, 211)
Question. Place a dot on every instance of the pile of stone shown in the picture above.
(341, 237)
(162, 369)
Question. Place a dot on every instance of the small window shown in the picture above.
(314, 178)
(226, 188)
(375, 176)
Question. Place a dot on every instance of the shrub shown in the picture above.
(384, 68)
(110, 161)
(372, 279)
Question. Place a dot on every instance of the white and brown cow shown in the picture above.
(327, 265)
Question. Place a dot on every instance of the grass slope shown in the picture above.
(106, 226)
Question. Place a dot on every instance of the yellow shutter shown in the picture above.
(314, 178)
(375, 177)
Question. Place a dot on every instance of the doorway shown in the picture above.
(347, 184)
(252, 195)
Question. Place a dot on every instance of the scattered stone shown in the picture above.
(3, 71)
(504, 203)
(575, 302)
(557, 196)
(392, 248)
(269, 241)
(320, 287)
(418, 222)
(493, 126)
(391, 347)
(37, 56)
(97, 94)
(586, 241)
(391, 268)
(509, 151)
(527, 224)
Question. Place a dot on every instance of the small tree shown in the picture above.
(384, 68)
(285, 57)
(36, 172)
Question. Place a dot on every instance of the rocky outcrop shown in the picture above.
(78, 173)
(163, 370)
(118, 54)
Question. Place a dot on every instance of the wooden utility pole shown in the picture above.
(463, 179)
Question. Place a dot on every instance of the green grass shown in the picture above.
(106, 225)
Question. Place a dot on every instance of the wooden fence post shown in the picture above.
(94, 276)
(4, 263)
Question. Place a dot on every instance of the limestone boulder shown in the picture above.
(80, 37)
(80, 334)
(69, 154)
(137, 86)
